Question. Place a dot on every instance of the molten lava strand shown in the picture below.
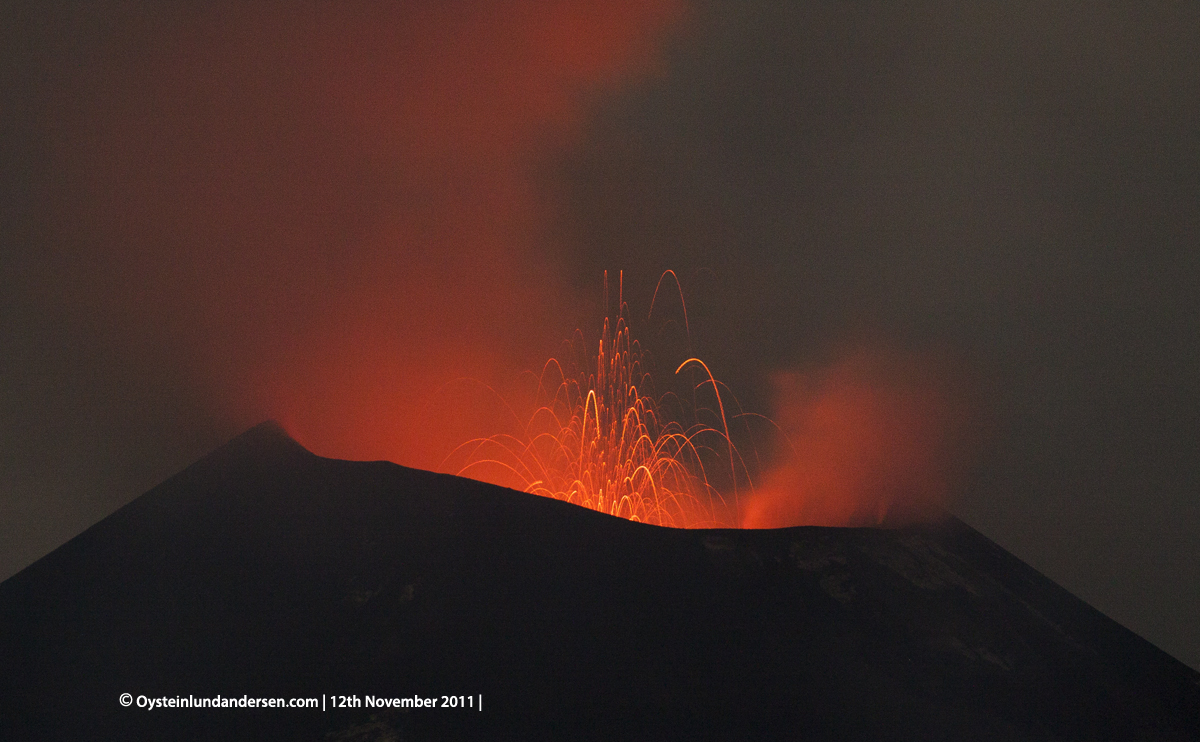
(603, 443)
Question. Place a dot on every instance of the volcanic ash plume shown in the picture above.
(876, 438)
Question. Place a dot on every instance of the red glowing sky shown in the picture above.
(326, 215)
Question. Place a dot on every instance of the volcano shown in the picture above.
(264, 571)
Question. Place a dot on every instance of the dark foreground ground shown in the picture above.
(265, 571)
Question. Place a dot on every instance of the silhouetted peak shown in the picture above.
(267, 440)
(266, 433)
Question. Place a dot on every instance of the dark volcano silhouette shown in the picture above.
(266, 571)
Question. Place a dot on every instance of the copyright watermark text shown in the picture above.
(323, 703)
(218, 702)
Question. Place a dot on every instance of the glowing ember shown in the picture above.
(600, 439)
(871, 440)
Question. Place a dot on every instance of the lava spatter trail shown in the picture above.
(600, 438)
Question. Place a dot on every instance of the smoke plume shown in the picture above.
(320, 213)
(876, 438)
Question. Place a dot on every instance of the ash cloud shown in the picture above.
(1012, 184)
(878, 438)
(317, 212)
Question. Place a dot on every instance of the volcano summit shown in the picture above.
(263, 571)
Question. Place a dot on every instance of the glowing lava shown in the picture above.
(877, 438)
(599, 438)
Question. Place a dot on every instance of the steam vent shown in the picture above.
(264, 571)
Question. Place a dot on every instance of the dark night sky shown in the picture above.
(210, 216)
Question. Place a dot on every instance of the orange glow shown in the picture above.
(399, 258)
(601, 440)
(322, 215)
(872, 440)
(325, 216)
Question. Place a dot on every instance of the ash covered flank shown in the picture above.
(268, 572)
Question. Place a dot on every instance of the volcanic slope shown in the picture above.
(266, 571)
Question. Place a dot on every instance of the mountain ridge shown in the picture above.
(265, 569)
